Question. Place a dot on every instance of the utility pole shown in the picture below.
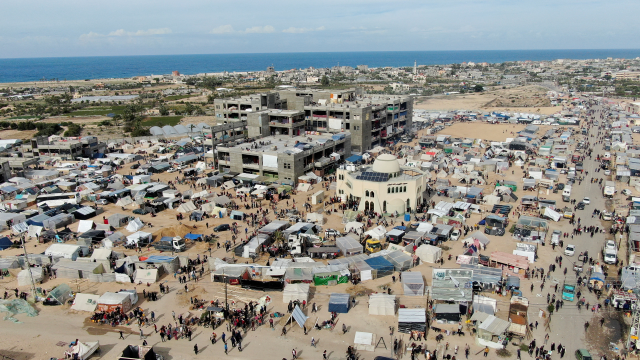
(26, 259)
(635, 323)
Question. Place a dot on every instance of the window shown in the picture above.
(356, 127)
(404, 189)
(384, 206)
(371, 194)
(287, 165)
(366, 193)
(347, 126)
(388, 190)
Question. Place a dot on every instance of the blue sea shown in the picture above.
(79, 68)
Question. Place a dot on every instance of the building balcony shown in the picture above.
(251, 165)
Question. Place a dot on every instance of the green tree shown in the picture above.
(163, 110)
(324, 81)
(478, 88)
(189, 109)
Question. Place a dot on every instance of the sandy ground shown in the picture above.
(526, 99)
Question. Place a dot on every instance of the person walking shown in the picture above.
(121, 335)
(226, 349)
(324, 355)
(195, 349)
(486, 351)
(141, 334)
(313, 342)
(294, 353)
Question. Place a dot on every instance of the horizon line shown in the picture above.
(305, 52)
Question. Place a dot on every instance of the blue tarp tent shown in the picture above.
(191, 236)
(5, 243)
(339, 303)
(382, 266)
(38, 220)
(354, 158)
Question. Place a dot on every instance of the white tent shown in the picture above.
(294, 292)
(186, 207)
(243, 190)
(429, 253)
(364, 341)
(101, 254)
(125, 201)
(353, 225)
(84, 350)
(85, 302)
(138, 237)
(24, 278)
(304, 187)
(135, 225)
(377, 233)
(34, 231)
(552, 214)
(382, 304)
(146, 276)
(208, 208)
(315, 218)
(85, 225)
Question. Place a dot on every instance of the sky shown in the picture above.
(60, 28)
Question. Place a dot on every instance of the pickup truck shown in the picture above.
(167, 243)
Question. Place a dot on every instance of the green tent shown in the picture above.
(329, 278)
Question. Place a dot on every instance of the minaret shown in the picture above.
(415, 67)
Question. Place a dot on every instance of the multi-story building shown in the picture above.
(276, 122)
(284, 157)
(87, 147)
(234, 109)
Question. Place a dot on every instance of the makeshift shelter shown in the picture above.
(25, 279)
(349, 246)
(5, 243)
(380, 265)
(84, 226)
(135, 225)
(67, 251)
(412, 283)
(85, 302)
(57, 221)
(298, 316)
(491, 332)
(339, 303)
(118, 220)
(125, 201)
(83, 350)
(329, 278)
(353, 226)
(293, 292)
(382, 304)
(447, 313)
(364, 341)
(34, 231)
(377, 233)
(110, 301)
(400, 260)
(61, 294)
(412, 320)
(187, 207)
(429, 253)
(139, 238)
(146, 276)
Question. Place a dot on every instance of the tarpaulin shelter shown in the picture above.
(34, 231)
(57, 221)
(400, 260)
(136, 352)
(429, 253)
(378, 233)
(125, 201)
(412, 283)
(364, 341)
(145, 276)
(294, 292)
(353, 226)
(85, 302)
(85, 225)
(67, 251)
(84, 349)
(237, 215)
(339, 303)
(61, 294)
(298, 316)
(382, 304)
(380, 265)
(412, 320)
(187, 207)
(139, 237)
(118, 220)
(110, 301)
(447, 312)
(25, 279)
(329, 278)
(349, 246)
(5, 243)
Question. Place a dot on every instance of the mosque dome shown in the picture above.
(386, 163)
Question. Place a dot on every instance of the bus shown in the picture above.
(52, 200)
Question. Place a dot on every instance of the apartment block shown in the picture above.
(284, 157)
(235, 109)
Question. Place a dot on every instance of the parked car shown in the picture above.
(222, 227)
(607, 172)
(580, 206)
(570, 250)
(586, 201)
(101, 202)
(135, 166)
(626, 192)
(605, 215)
(172, 170)
(455, 235)
(141, 211)
(560, 186)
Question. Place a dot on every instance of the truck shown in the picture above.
(372, 246)
(167, 243)
(576, 157)
(566, 193)
(609, 189)
(518, 321)
(569, 291)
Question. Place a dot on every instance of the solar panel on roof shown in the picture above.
(373, 176)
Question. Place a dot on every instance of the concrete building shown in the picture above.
(276, 122)
(87, 147)
(234, 109)
(384, 187)
(285, 158)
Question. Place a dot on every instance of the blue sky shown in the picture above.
(39, 28)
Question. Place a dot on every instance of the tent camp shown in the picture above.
(60, 294)
(412, 283)
(135, 225)
(139, 238)
(382, 304)
(378, 233)
(354, 226)
(294, 292)
(5, 243)
(187, 207)
(125, 201)
(25, 279)
(339, 303)
(146, 276)
(85, 302)
(110, 301)
(429, 253)
(118, 220)
(84, 226)
(67, 251)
